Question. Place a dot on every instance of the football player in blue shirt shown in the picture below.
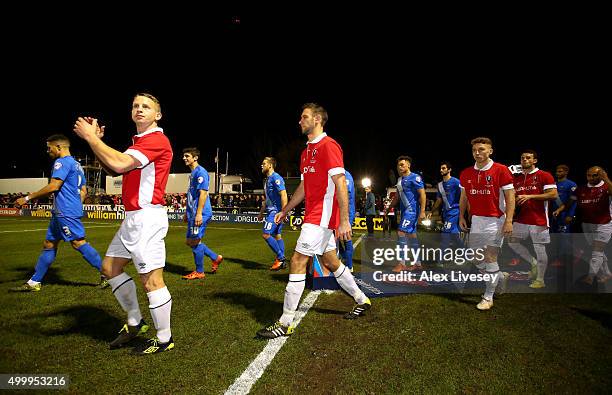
(198, 215)
(448, 196)
(275, 200)
(68, 188)
(411, 194)
(346, 248)
(561, 219)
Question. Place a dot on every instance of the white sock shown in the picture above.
(345, 279)
(491, 269)
(124, 289)
(540, 250)
(32, 283)
(160, 306)
(293, 293)
(522, 251)
(596, 262)
(604, 266)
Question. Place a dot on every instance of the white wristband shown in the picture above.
(27, 198)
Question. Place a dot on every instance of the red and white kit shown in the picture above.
(141, 235)
(532, 218)
(595, 208)
(321, 160)
(484, 190)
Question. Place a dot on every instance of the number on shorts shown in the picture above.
(268, 226)
(405, 223)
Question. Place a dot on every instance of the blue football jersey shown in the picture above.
(198, 180)
(407, 188)
(565, 189)
(67, 201)
(350, 186)
(452, 194)
(274, 185)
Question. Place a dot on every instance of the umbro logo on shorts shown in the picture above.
(142, 265)
(305, 245)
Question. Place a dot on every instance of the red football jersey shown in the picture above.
(483, 188)
(145, 186)
(321, 160)
(533, 212)
(594, 203)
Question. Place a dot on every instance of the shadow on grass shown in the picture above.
(52, 277)
(604, 318)
(469, 299)
(264, 310)
(246, 264)
(90, 321)
(178, 269)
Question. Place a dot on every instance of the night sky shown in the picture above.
(237, 81)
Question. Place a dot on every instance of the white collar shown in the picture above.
(319, 138)
(486, 167)
(533, 171)
(150, 131)
(596, 186)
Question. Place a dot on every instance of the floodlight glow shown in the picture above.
(366, 182)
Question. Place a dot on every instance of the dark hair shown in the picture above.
(58, 138)
(564, 167)
(317, 109)
(404, 157)
(271, 160)
(530, 151)
(193, 151)
(447, 164)
(150, 96)
(482, 140)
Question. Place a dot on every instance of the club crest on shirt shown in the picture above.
(489, 179)
(277, 182)
(57, 165)
(200, 180)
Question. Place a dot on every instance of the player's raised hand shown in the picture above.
(84, 129)
(99, 129)
(279, 217)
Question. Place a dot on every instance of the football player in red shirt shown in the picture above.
(323, 188)
(145, 166)
(534, 188)
(489, 192)
(594, 206)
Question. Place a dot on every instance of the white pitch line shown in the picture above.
(255, 370)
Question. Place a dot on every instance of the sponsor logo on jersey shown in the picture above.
(57, 165)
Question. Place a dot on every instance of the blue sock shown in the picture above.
(281, 248)
(91, 255)
(208, 252)
(273, 245)
(402, 241)
(348, 254)
(45, 260)
(198, 257)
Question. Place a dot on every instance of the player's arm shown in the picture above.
(549, 194)
(117, 162)
(54, 185)
(296, 199)
(201, 200)
(606, 180)
(436, 206)
(83, 192)
(463, 205)
(509, 197)
(422, 203)
(344, 228)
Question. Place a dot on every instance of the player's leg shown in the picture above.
(197, 249)
(293, 293)
(490, 235)
(540, 237)
(345, 279)
(78, 242)
(521, 232)
(149, 256)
